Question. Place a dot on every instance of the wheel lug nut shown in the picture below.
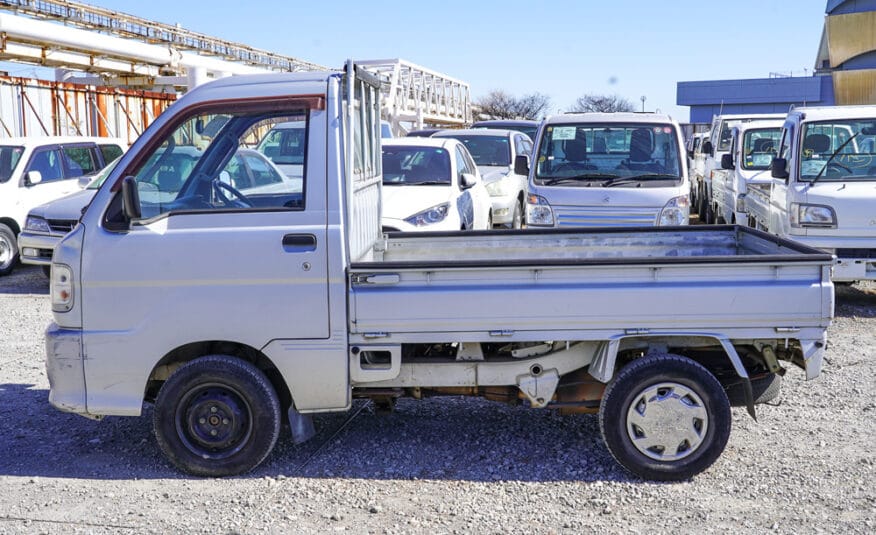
(202, 421)
(225, 421)
(214, 432)
(213, 409)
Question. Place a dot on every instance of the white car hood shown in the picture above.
(853, 203)
(493, 173)
(400, 202)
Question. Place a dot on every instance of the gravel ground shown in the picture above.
(443, 465)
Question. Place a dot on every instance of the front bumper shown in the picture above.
(65, 369)
(37, 248)
(400, 225)
(503, 209)
(846, 267)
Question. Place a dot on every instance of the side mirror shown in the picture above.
(32, 177)
(778, 168)
(84, 180)
(727, 161)
(130, 199)
(690, 154)
(467, 180)
(707, 148)
(521, 165)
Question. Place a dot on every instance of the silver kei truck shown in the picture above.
(230, 311)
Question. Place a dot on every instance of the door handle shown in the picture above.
(299, 243)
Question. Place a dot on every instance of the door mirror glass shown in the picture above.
(727, 161)
(778, 168)
(707, 148)
(521, 165)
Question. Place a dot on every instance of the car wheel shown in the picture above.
(8, 250)
(517, 217)
(217, 416)
(665, 417)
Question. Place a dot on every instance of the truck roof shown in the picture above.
(740, 116)
(755, 125)
(817, 113)
(617, 117)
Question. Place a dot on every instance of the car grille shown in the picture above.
(62, 226)
(605, 216)
(856, 253)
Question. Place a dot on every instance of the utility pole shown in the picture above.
(643, 99)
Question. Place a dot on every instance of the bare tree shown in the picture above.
(602, 103)
(500, 105)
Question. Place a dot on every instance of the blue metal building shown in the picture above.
(845, 72)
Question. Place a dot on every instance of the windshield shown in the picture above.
(594, 154)
(487, 150)
(102, 174)
(9, 157)
(284, 144)
(415, 166)
(853, 141)
(759, 148)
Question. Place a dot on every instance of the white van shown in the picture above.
(608, 169)
(36, 170)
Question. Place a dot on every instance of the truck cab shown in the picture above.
(752, 148)
(608, 169)
(714, 148)
(824, 186)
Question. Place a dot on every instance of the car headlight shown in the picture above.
(497, 188)
(436, 214)
(539, 212)
(675, 212)
(36, 224)
(812, 215)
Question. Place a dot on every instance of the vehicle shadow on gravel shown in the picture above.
(25, 280)
(858, 300)
(435, 439)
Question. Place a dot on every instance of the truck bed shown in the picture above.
(588, 284)
(757, 204)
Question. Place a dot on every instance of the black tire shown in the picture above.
(217, 416)
(517, 217)
(8, 250)
(710, 214)
(765, 388)
(682, 392)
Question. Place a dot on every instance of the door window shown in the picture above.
(48, 163)
(206, 164)
(110, 152)
(79, 161)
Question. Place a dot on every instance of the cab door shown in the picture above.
(780, 223)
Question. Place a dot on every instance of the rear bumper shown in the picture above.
(65, 369)
(37, 248)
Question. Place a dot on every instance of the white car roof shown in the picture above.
(34, 141)
(618, 117)
(442, 142)
(754, 125)
(477, 132)
(818, 113)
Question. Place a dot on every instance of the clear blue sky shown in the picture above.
(562, 48)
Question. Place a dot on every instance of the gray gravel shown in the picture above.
(446, 465)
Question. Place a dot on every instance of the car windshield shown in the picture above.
(100, 177)
(597, 154)
(487, 150)
(839, 150)
(415, 166)
(284, 144)
(759, 148)
(9, 158)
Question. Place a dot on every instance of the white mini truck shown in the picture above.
(317, 307)
(822, 190)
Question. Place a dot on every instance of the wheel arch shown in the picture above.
(193, 350)
(12, 224)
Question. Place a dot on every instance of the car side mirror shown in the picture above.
(727, 161)
(690, 154)
(778, 168)
(32, 178)
(521, 165)
(467, 180)
(130, 199)
(708, 149)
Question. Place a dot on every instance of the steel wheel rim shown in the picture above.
(667, 421)
(6, 252)
(214, 421)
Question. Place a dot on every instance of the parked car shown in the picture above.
(248, 172)
(530, 128)
(36, 170)
(608, 169)
(284, 145)
(432, 184)
(424, 132)
(753, 146)
(494, 152)
(823, 187)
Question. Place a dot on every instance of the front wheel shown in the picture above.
(517, 217)
(217, 416)
(8, 250)
(665, 417)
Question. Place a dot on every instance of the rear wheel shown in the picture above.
(517, 217)
(8, 250)
(665, 417)
(217, 416)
